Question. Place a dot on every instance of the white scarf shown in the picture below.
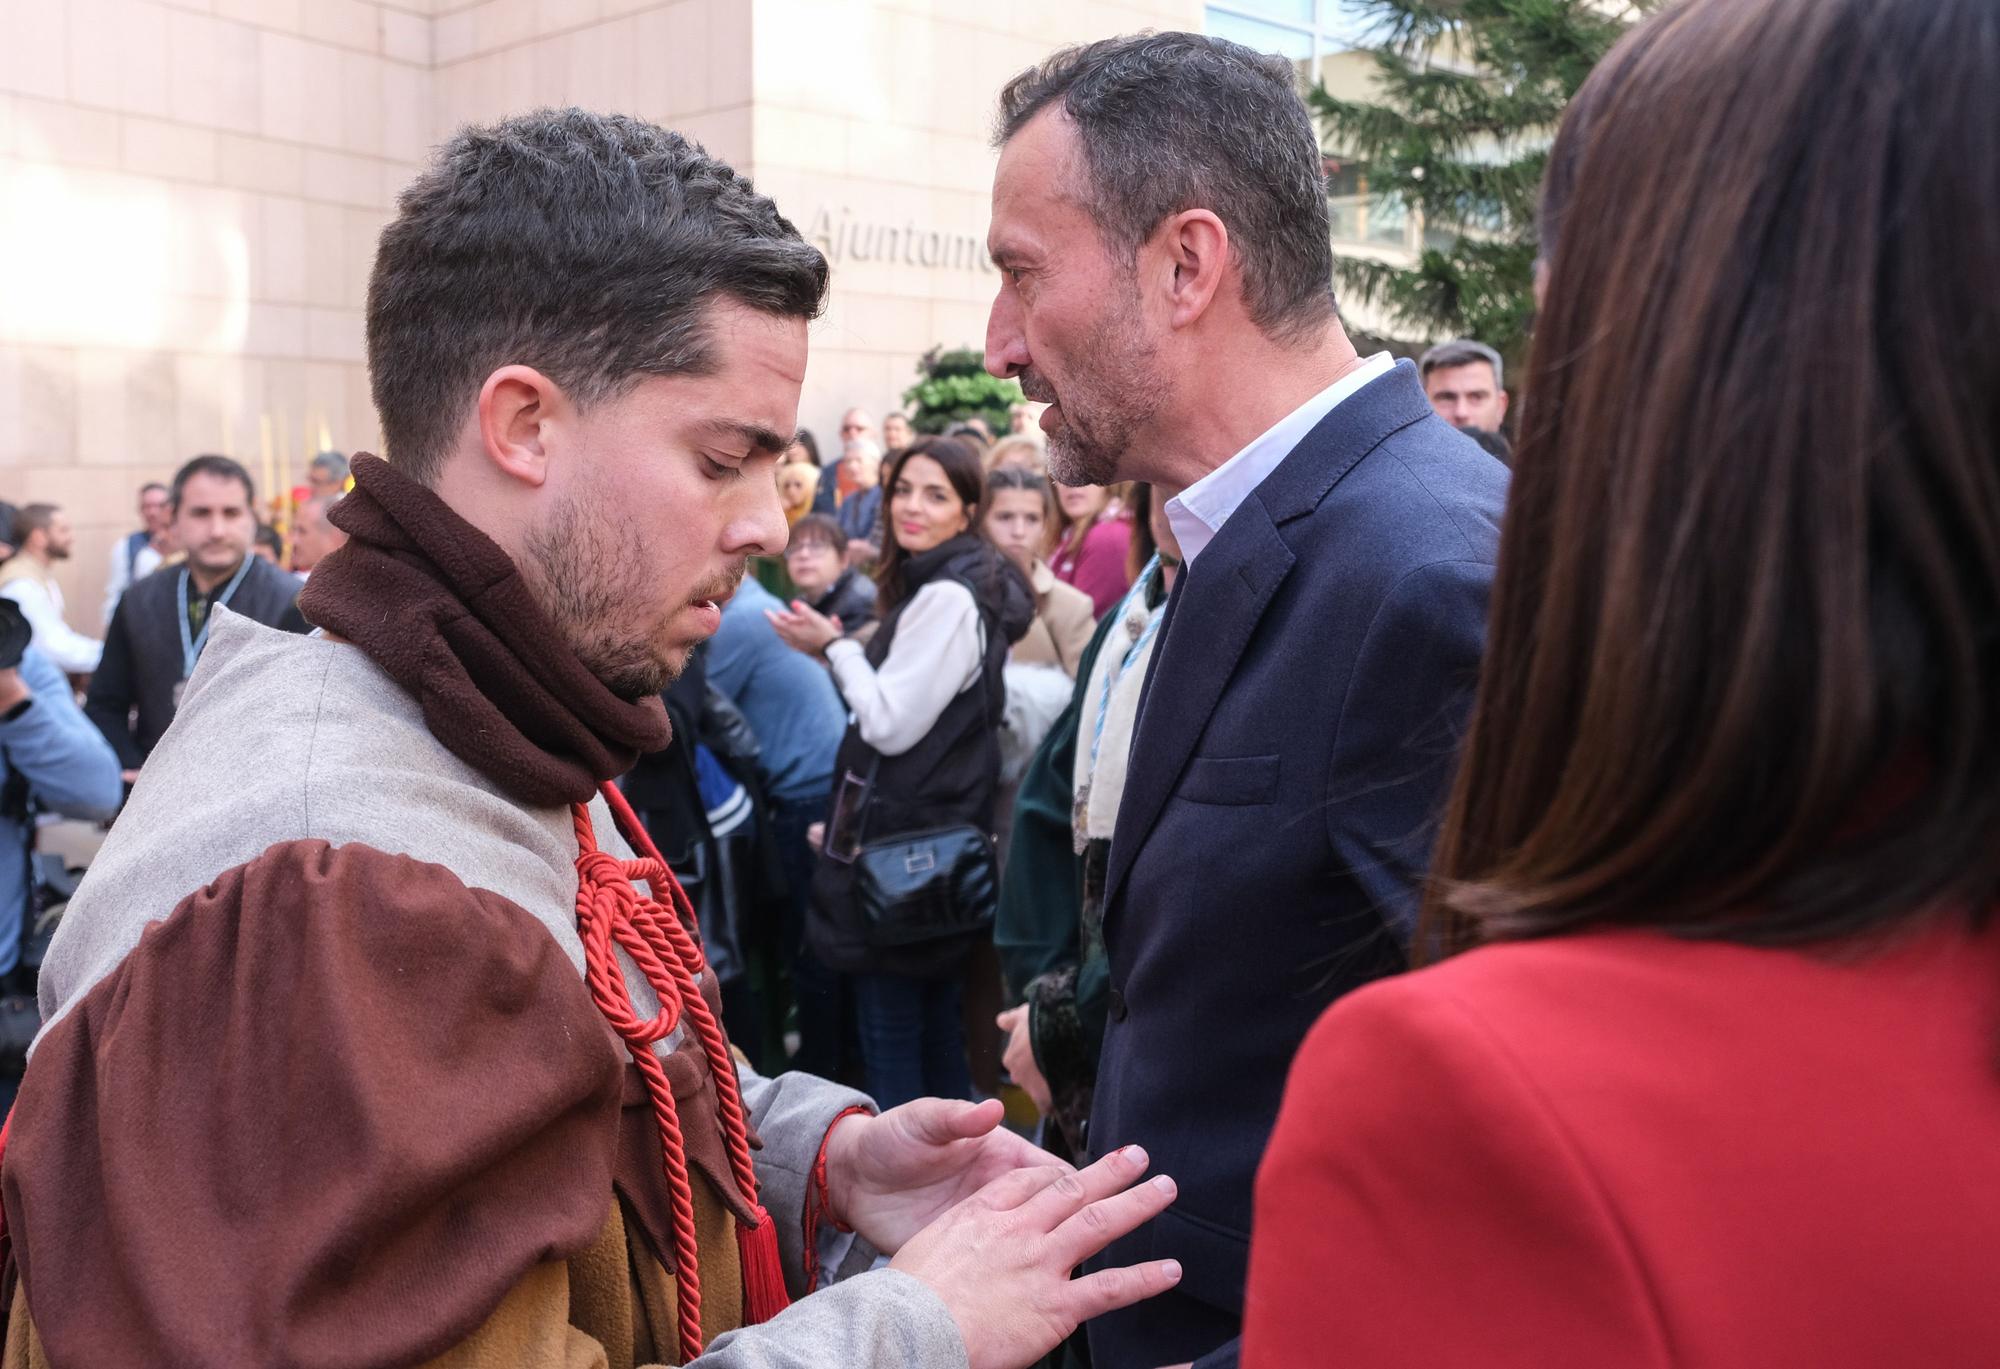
(1110, 710)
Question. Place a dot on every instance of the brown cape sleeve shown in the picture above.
(328, 1113)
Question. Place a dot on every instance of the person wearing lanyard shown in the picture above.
(162, 623)
(196, 619)
(1049, 931)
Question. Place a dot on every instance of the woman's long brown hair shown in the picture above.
(1743, 668)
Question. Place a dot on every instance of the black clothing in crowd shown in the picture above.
(134, 690)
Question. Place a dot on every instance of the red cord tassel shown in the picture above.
(764, 1295)
(669, 926)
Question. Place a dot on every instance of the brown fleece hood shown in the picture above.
(439, 606)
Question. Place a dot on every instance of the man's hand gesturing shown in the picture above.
(1001, 1260)
(891, 1176)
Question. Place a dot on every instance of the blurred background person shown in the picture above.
(816, 560)
(1715, 1079)
(799, 718)
(138, 554)
(858, 478)
(974, 434)
(925, 695)
(856, 424)
(52, 762)
(798, 481)
(162, 623)
(1020, 511)
(805, 447)
(267, 546)
(1092, 543)
(897, 432)
(1022, 452)
(1463, 381)
(314, 537)
(1494, 444)
(29, 579)
(328, 475)
(1050, 928)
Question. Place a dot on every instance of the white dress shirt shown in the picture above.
(125, 573)
(1198, 512)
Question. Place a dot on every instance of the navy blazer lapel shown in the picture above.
(1220, 604)
(1223, 598)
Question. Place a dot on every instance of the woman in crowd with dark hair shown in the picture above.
(1092, 537)
(926, 696)
(1716, 1078)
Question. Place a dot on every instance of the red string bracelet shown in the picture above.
(819, 1201)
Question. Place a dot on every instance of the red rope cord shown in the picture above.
(721, 1060)
(610, 909)
(607, 908)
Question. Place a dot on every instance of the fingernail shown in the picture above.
(1135, 1154)
(1172, 1270)
(1165, 1185)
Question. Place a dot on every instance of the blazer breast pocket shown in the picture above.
(1240, 781)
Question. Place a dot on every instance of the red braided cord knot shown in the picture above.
(610, 909)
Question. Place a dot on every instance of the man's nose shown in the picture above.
(1006, 342)
(759, 529)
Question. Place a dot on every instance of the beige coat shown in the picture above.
(1064, 621)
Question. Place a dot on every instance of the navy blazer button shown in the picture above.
(1117, 1006)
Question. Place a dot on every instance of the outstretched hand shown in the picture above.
(804, 628)
(1001, 1261)
(890, 1176)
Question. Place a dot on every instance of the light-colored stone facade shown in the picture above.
(190, 193)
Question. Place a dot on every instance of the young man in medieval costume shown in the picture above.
(403, 1051)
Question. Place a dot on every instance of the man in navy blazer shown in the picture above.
(1160, 224)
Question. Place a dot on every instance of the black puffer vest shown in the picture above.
(948, 778)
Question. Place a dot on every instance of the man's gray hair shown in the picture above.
(334, 465)
(1461, 351)
(1177, 121)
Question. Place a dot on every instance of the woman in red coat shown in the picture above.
(1716, 1081)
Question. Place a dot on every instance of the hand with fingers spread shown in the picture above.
(889, 1177)
(1001, 1260)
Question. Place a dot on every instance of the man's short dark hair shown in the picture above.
(821, 528)
(1176, 121)
(1459, 352)
(587, 246)
(221, 467)
(33, 518)
(267, 537)
(152, 485)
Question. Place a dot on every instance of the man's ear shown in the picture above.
(519, 408)
(1196, 246)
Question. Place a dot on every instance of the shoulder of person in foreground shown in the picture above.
(1421, 1204)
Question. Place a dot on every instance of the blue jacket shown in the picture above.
(69, 768)
(788, 697)
(1293, 749)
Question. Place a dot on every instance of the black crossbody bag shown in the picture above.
(915, 888)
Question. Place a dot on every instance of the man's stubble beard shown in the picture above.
(1106, 406)
(583, 570)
